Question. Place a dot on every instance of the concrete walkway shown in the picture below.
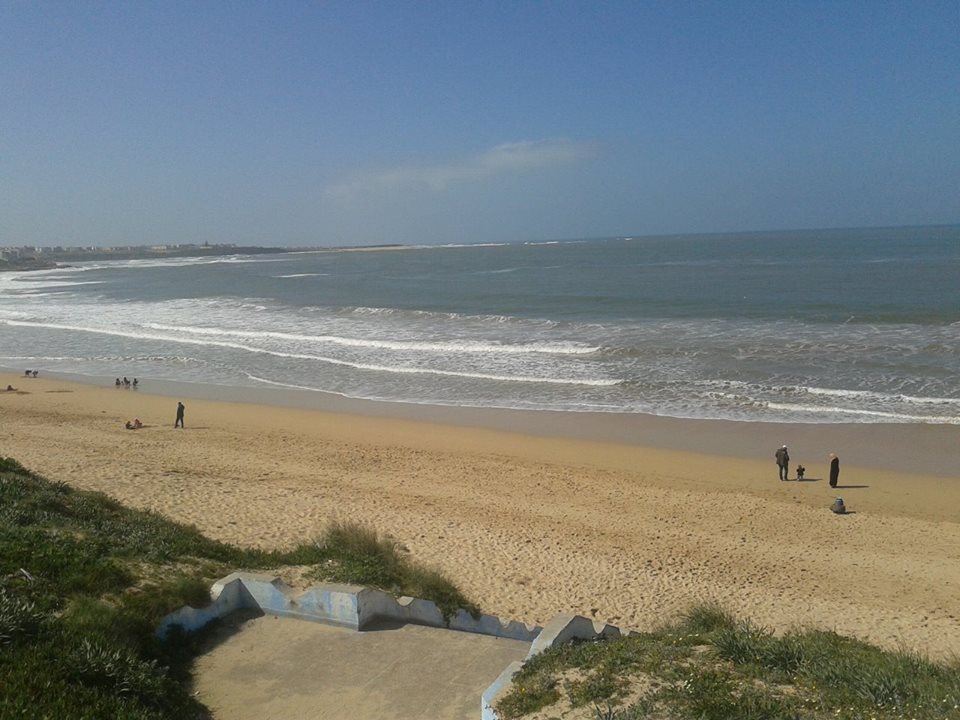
(269, 667)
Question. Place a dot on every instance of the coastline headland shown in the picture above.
(28, 258)
(628, 520)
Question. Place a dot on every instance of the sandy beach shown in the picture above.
(534, 515)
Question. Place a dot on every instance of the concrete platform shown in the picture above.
(269, 667)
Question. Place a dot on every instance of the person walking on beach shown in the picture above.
(783, 461)
(834, 469)
(179, 420)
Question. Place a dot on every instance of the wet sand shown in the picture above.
(533, 514)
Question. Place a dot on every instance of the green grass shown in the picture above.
(84, 581)
(357, 554)
(712, 666)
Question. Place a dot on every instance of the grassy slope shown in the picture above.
(711, 666)
(84, 581)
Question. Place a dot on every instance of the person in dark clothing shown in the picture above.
(179, 420)
(834, 470)
(783, 461)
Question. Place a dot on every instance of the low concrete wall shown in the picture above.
(350, 606)
(227, 597)
(499, 686)
(562, 629)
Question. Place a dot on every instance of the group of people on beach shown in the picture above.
(126, 383)
(31, 373)
(782, 457)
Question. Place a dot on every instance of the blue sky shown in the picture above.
(337, 123)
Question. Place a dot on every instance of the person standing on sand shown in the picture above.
(834, 469)
(179, 420)
(783, 461)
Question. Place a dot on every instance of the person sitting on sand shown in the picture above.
(838, 507)
(134, 424)
(11, 388)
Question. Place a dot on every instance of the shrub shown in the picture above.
(707, 618)
(357, 554)
(19, 618)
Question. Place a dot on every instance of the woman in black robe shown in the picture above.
(834, 470)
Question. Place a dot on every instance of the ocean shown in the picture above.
(857, 326)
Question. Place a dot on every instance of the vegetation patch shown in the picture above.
(356, 554)
(713, 666)
(84, 582)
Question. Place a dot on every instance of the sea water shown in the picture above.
(808, 326)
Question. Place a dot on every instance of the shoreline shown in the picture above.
(921, 448)
(529, 524)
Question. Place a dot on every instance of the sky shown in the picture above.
(343, 123)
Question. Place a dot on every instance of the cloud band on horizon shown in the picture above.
(504, 159)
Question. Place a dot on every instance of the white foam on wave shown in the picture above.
(438, 315)
(869, 396)
(45, 358)
(844, 411)
(318, 358)
(51, 282)
(500, 271)
(514, 405)
(140, 263)
(883, 397)
(459, 245)
(405, 345)
(27, 293)
(179, 359)
(300, 275)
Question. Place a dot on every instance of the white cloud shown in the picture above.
(504, 159)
